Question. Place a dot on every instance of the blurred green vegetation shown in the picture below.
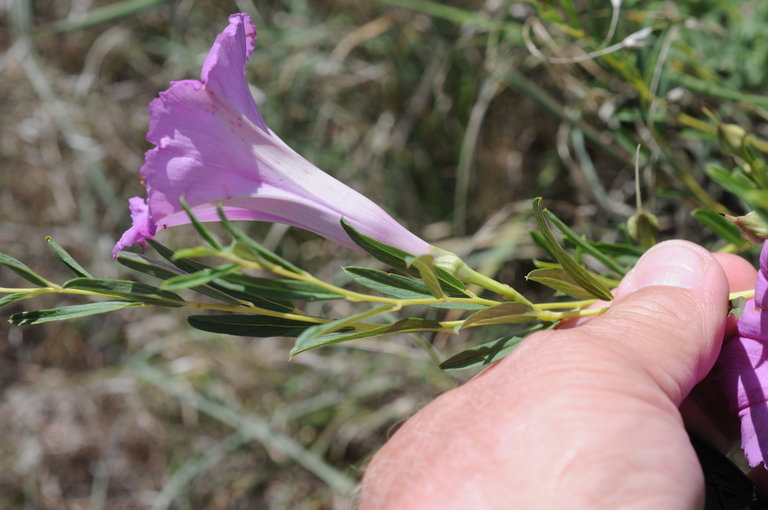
(452, 115)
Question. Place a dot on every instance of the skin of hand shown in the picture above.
(584, 417)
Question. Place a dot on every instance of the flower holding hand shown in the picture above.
(587, 417)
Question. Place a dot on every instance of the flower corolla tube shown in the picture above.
(742, 369)
(212, 147)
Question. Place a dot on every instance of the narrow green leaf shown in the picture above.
(232, 288)
(588, 247)
(398, 259)
(390, 284)
(197, 251)
(579, 274)
(736, 183)
(12, 298)
(558, 279)
(720, 226)
(68, 260)
(203, 232)
(198, 278)
(409, 325)
(403, 287)
(425, 265)
(505, 313)
(149, 266)
(23, 270)
(309, 338)
(630, 251)
(249, 325)
(393, 257)
(186, 265)
(482, 355)
(279, 289)
(244, 242)
(126, 289)
(164, 271)
(451, 285)
(458, 306)
(68, 312)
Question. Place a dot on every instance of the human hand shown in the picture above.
(583, 417)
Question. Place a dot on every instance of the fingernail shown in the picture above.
(672, 263)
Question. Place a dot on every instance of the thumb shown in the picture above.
(668, 317)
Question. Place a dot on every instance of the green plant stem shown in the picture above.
(427, 347)
(352, 295)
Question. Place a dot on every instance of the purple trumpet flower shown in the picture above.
(742, 370)
(213, 147)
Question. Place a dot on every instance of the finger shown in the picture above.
(668, 317)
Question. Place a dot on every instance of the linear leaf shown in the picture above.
(505, 313)
(458, 306)
(244, 241)
(394, 285)
(163, 271)
(280, 289)
(308, 339)
(147, 265)
(197, 251)
(390, 255)
(22, 270)
(232, 288)
(399, 259)
(425, 265)
(720, 226)
(402, 326)
(558, 279)
(249, 325)
(12, 298)
(579, 274)
(186, 265)
(588, 247)
(202, 277)
(68, 260)
(203, 232)
(402, 287)
(481, 355)
(133, 291)
(68, 312)
(631, 251)
(736, 183)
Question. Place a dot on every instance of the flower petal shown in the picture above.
(224, 68)
(754, 433)
(761, 289)
(753, 322)
(212, 147)
(209, 154)
(742, 371)
(142, 228)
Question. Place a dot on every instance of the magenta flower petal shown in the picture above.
(142, 228)
(212, 146)
(742, 370)
(753, 322)
(761, 289)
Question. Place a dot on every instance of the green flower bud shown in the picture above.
(643, 227)
(751, 225)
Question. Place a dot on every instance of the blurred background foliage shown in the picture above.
(452, 115)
